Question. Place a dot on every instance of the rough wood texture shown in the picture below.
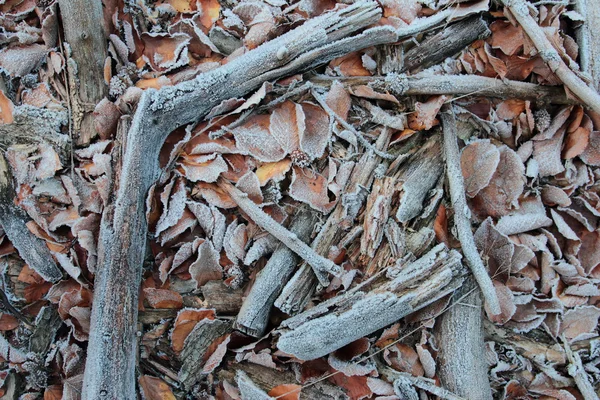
(34, 125)
(254, 314)
(462, 213)
(47, 324)
(110, 365)
(345, 318)
(446, 43)
(459, 334)
(299, 289)
(588, 38)
(579, 374)
(81, 21)
(222, 298)
(13, 220)
(520, 10)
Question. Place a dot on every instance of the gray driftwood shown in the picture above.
(222, 298)
(446, 43)
(254, 314)
(348, 317)
(110, 365)
(301, 286)
(459, 334)
(13, 219)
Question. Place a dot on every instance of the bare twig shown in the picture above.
(462, 212)
(520, 10)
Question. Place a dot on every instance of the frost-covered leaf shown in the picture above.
(206, 267)
(311, 188)
(478, 162)
(254, 138)
(287, 124)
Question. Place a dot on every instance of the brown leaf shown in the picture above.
(311, 188)
(153, 388)
(478, 162)
(286, 392)
(287, 124)
(185, 322)
(273, 171)
(368, 93)
(506, 37)
(339, 100)
(164, 51)
(54, 392)
(423, 118)
(163, 298)
(315, 137)
(6, 109)
(203, 168)
(206, 267)
(591, 154)
(580, 322)
(254, 138)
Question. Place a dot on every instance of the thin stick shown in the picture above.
(461, 212)
(319, 264)
(520, 10)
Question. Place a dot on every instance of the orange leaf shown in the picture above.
(8, 322)
(184, 323)
(210, 12)
(155, 389)
(54, 392)
(6, 109)
(274, 170)
(287, 392)
(163, 298)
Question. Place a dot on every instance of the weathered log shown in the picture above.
(110, 365)
(84, 33)
(254, 314)
(13, 220)
(459, 334)
(446, 43)
(462, 213)
(222, 298)
(299, 289)
(355, 314)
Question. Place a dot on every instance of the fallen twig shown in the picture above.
(520, 10)
(578, 373)
(588, 39)
(462, 212)
(321, 265)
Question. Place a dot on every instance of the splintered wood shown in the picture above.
(299, 199)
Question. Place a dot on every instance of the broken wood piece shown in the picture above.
(355, 314)
(459, 334)
(428, 385)
(254, 314)
(576, 370)
(321, 265)
(520, 10)
(196, 344)
(14, 222)
(462, 219)
(297, 292)
(110, 364)
(248, 389)
(446, 43)
(47, 323)
(222, 298)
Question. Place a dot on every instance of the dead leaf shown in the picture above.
(286, 392)
(423, 118)
(185, 322)
(153, 388)
(478, 162)
(163, 298)
(311, 188)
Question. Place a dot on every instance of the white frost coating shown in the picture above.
(175, 209)
(248, 390)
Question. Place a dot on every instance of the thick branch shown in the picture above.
(588, 38)
(459, 334)
(520, 10)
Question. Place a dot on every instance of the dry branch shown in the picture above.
(355, 314)
(110, 365)
(254, 314)
(576, 370)
(458, 85)
(459, 334)
(462, 219)
(321, 265)
(420, 382)
(521, 12)
(13, 220)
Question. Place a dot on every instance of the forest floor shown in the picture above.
(313, 199)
